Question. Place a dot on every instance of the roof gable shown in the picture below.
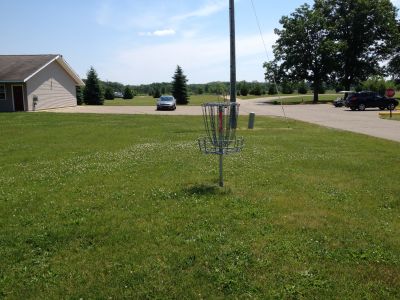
(20, 68)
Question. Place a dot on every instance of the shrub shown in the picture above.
(109, 94)
(302, 88)
(244, 89)
(272, 90)
(128, 94)
(287, 87)
(156, 93)
(79, 95)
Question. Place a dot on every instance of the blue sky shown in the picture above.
(142, 41)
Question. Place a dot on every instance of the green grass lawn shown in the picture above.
(393, 118)
(307, 99)
(102, 206)
(195, 100)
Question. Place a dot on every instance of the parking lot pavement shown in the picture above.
(365, 122)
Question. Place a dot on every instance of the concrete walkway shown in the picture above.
(365, 122)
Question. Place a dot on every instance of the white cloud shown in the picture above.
(163, 32)
(210, 8)
(202, 60)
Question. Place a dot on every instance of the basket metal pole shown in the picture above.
(221, 176)
(221, 150)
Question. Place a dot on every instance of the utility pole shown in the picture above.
(233, 49)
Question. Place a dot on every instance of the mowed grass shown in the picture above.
(306, 99)
(102, 206)
(395, 117)
(195, 100)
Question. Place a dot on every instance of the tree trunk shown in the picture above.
(347, 86)
(316, 90)
(315, 100)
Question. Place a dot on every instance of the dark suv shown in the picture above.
(364, 99)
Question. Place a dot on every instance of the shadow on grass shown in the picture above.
(206, 190)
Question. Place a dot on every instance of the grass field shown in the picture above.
(196, 100)
(395, 117)
(102, 206)
(307, 99)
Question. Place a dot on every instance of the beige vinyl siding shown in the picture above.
(53, 87)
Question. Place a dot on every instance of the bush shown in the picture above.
(79, 95)
(321, 89)
(302, 88)
(359, 88)
(339, 88)
(156, 93)
(377, 85)
(256, 90)
(272, 90)
(287, 88)
(381, 88)
(109, 94)
(244, 89)
(128, 93)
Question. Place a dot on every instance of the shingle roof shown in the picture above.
(19, 67)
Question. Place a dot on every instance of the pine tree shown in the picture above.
(109, 94)
(179, 87)
(79, 95)
(92, 94)
(156, 93)
(128, 94)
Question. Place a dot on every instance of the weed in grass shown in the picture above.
(108, 210)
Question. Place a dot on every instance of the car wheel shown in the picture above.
(174, 108)
(353, 108)
(390, 106)
(382, 108)
(361, 106)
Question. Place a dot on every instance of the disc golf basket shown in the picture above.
(220, 122)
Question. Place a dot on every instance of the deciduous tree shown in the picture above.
(304, 47)
(366, 32)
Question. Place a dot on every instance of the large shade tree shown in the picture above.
(366, 33)
(304, 48)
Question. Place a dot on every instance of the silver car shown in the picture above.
(166, 102)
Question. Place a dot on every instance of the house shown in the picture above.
(35, 82)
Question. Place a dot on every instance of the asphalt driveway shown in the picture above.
(365, 122)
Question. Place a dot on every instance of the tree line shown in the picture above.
(96, 91)
(339, 42)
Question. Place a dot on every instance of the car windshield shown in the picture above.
(166, 98)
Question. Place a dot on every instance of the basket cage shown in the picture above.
(220, 122)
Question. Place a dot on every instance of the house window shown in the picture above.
(2, 92)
